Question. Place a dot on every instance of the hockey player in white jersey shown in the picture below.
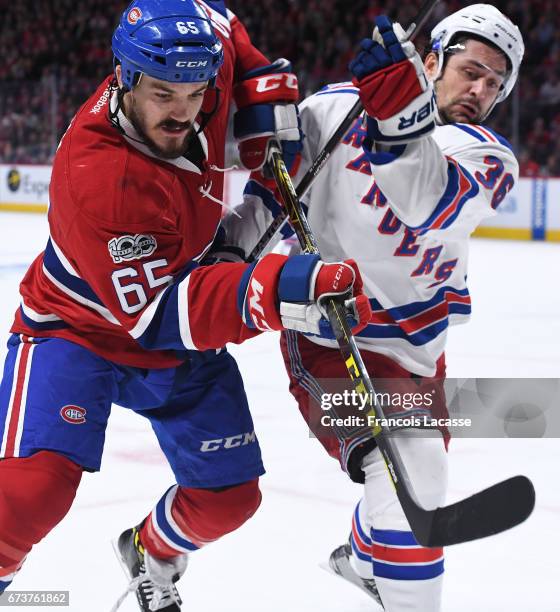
(401, 195)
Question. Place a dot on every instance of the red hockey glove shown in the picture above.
(267, 112)
(289, 293)
(394, 89)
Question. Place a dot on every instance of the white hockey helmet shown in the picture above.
(485, 21)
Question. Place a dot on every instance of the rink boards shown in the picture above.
(531, 211)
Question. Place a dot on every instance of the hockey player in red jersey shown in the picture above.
(118, 308)
(401, 195)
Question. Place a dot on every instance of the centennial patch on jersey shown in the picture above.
(127, 248)
(75, 415)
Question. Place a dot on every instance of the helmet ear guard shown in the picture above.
(170, 40)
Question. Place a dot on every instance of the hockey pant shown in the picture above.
(409, 577)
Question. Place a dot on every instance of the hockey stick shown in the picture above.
(491, 511)
(321, 159)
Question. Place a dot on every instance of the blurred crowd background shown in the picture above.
(54, 53)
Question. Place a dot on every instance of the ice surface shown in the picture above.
(272, 563)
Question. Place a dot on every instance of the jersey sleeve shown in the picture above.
(136, 281)
(449, 181)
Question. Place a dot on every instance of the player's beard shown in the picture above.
(173, 150)
(447, 115)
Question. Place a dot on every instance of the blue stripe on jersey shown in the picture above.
(46, 325)
(400, 313)
(335, 91)
(393, 537)
(500, 138)
(470, 131)
(254, 188)
(333, 87)
(394, 331)
(54, 266)
(449, 197)
(481, 137)
(407, 572)
(164, 525)
(419, 338)
(406, 311)
(163, 331)
(381, 158)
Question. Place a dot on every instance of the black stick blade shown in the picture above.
(493, 510)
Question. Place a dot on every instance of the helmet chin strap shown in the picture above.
(121, 91)
(206, 117)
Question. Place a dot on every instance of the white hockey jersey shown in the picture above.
(405, 217)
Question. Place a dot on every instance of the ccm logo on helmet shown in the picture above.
(191, 64)
(134, 15)
(208, 446)
(75, 415)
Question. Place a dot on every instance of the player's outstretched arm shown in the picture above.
(202, 307)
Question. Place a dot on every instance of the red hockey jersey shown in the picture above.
(120, 274)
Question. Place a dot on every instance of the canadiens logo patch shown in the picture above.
(75, 415)
(134, 15)
(126, 248)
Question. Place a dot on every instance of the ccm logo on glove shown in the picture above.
(278, 81)
(289, 293)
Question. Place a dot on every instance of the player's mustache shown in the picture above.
(175, 125)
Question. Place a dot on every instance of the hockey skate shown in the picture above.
(339, 563)
(152, 579)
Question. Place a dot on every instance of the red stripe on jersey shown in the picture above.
(464, 186)
(423, 319)
(451, 296)
(486, 133)
(16, 406)
(428, 317)
(381, 317)
(406, 555)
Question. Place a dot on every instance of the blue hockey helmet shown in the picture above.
(170, 40)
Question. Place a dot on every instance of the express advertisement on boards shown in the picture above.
(24, 187)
